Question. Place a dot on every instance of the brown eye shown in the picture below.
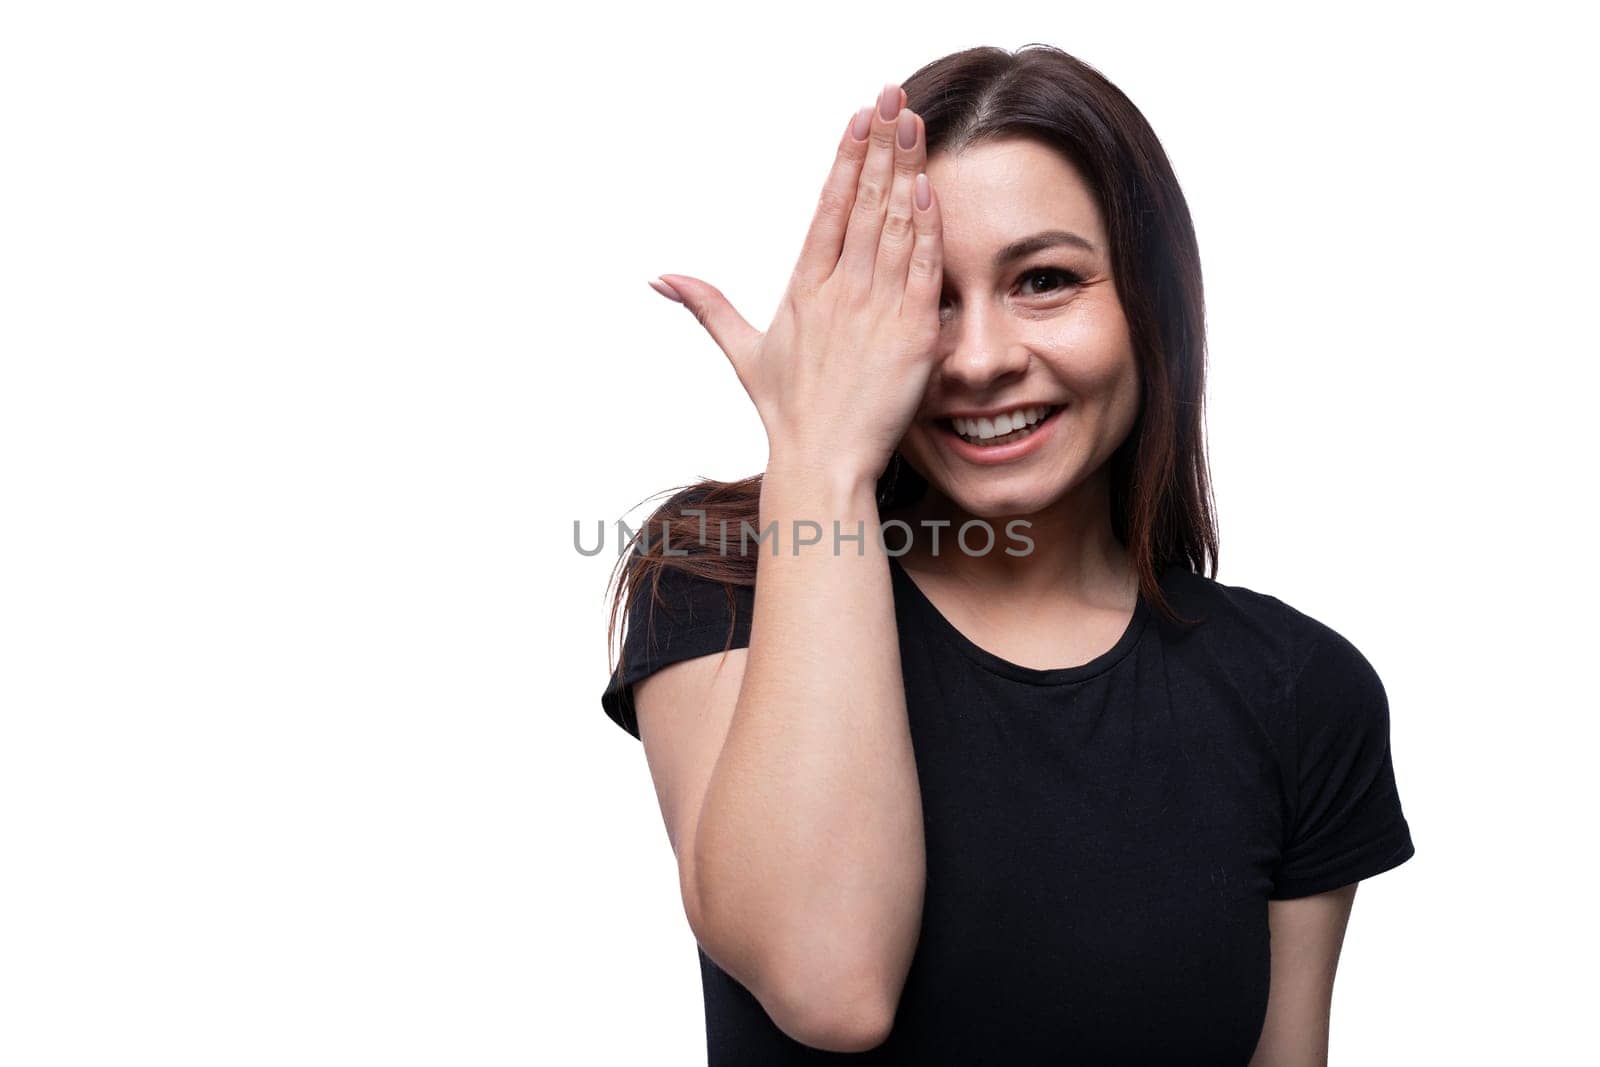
(1065, 277)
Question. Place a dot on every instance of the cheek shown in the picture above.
(917, 446)
(1097, 360)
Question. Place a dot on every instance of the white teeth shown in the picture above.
(1012, 423)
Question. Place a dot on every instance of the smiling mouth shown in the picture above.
(1002, 429)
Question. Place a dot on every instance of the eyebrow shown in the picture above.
(1029, 245)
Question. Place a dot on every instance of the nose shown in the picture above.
(984, 355)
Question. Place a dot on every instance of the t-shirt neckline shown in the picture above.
(996, 664)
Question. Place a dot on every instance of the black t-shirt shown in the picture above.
(1102, 840)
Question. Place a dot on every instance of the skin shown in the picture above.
(1306, 937)
(896, 316)
(1047, 328)
(1028, 333)
(785, 770)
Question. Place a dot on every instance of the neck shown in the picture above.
(1074, 547)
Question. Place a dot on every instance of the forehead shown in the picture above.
(992, 194)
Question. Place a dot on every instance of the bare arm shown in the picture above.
(808, 856)
(1307, 934)
(792, 795)
(815, 890)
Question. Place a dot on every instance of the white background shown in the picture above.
(322, 322)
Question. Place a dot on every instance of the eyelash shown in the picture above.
(1072, 278)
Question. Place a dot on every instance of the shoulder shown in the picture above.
(1241, 625)
(1236, 617)
(1307, 686)
(683, 600)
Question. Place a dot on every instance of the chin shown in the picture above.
(1001, 501)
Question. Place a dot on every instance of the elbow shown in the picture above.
(833, 1016)
(811, 995)
(813, 1002)
(830, 996)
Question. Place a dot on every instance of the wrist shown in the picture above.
(829, 485)
(843, 477)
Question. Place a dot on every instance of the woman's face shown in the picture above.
(1042, 329)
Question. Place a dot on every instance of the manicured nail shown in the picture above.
(861, 125)
(908, 129)
(924, 195)
(889, 101)
(665, 290)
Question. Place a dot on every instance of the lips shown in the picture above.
(1003, 428)
(1018, 443)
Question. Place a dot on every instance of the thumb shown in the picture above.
(736, 337)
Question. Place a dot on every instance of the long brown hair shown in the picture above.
(1161, 501)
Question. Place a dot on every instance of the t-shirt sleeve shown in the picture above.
(1346, 822)
(691, 620)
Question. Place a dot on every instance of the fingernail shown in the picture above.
(908, 129)
(924, 197)
(665, 290)
(861, 125)
(889, 101)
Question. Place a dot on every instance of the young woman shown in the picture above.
(1045, 794)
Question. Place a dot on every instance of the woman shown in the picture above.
(1062, 799)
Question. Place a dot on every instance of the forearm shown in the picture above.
(809, 862)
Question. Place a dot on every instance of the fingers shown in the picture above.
(736, 337)
(859, 258)
(820, 253)
(894, 243)
(925, 276)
